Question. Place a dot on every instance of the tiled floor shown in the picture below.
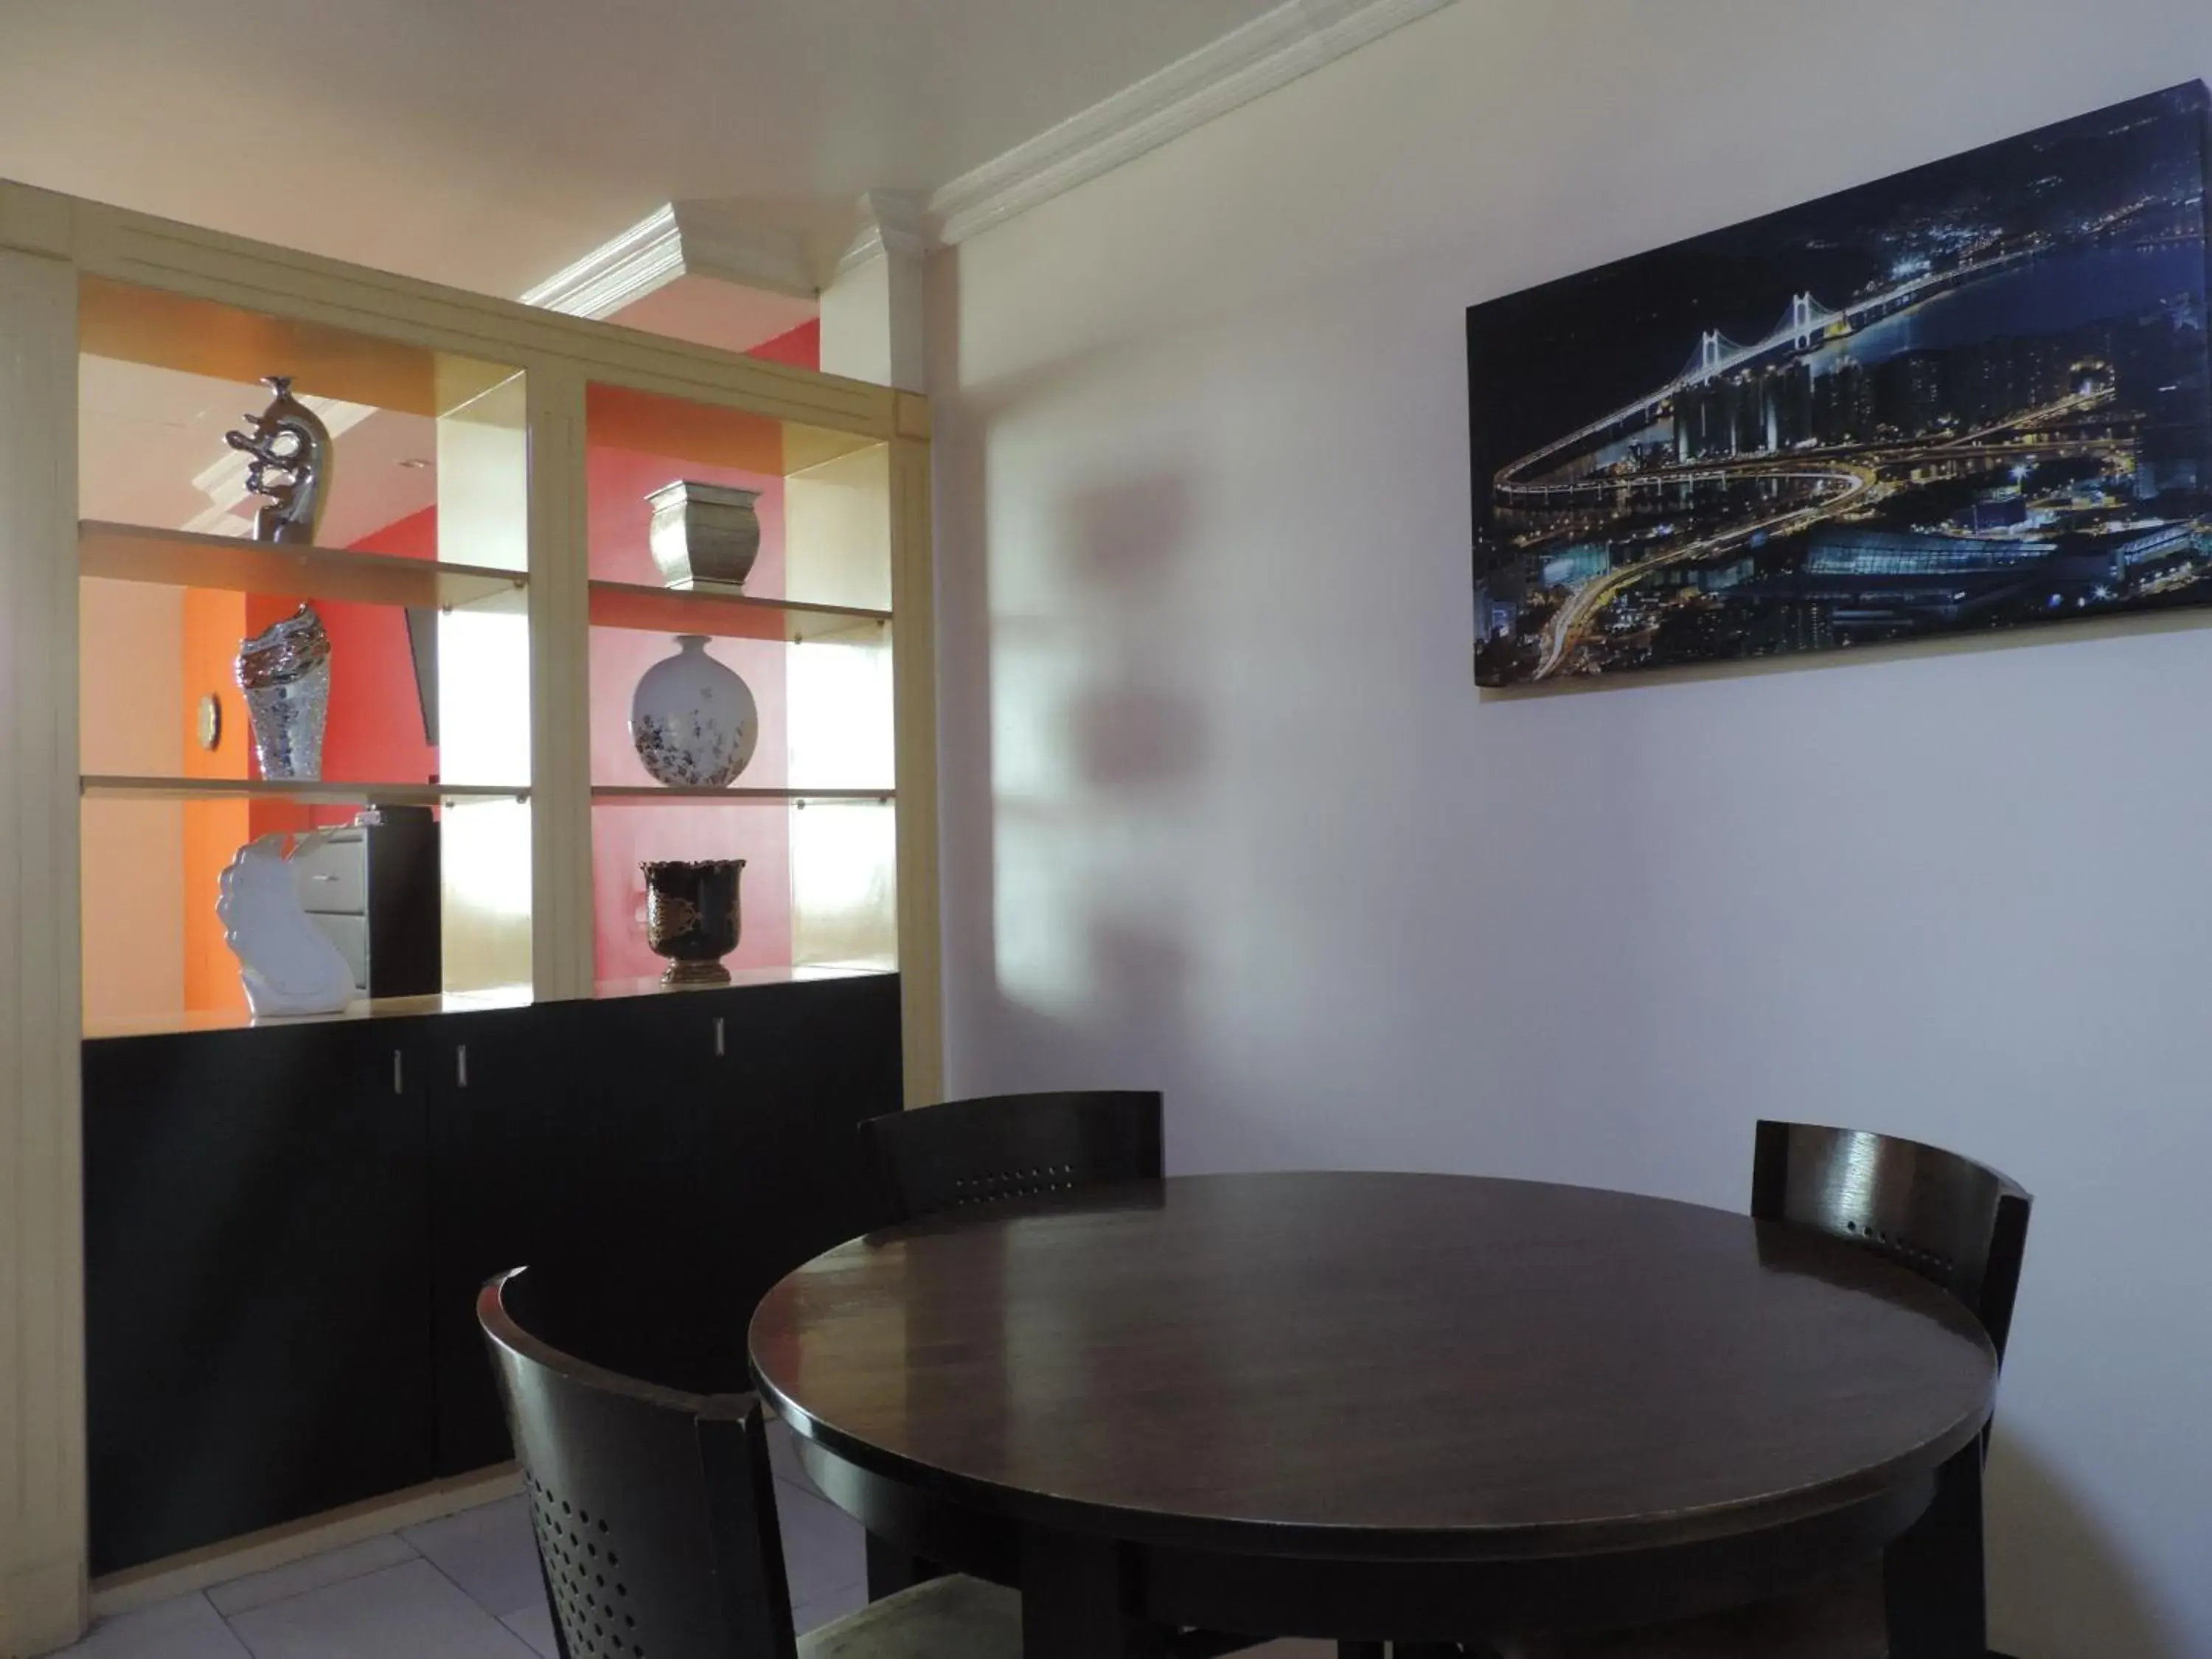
(463, 1588)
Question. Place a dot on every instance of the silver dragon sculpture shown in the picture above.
(291, 454)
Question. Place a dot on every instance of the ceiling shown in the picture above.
(488, 145)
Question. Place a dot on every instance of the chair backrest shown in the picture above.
(1004, 1147)
(654, 1510)
(1953, 1221)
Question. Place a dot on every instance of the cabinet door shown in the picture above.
(564, 1136)
(802, 1065)
(670, 1158)
(257, 1265)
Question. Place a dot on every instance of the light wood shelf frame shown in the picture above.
(77, 275)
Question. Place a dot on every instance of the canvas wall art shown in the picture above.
(1974, 396)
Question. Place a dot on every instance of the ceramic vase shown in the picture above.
(286, 964)
(692, 720)
(704, 536)
(691, 917)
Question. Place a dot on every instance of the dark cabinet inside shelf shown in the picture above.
(256, 1262)
(286, 1228)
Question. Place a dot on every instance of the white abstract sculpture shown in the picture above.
(286, 965)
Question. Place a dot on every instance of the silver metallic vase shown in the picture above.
(704, 536)
(285, 675)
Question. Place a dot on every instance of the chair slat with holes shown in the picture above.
(654, 1514)
(966, 1154)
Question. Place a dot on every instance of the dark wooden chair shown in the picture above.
(1959, 1224)
(1003, 1148)
(654, 1512)
(1007, 1149)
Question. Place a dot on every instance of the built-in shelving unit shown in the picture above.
(492, 462)
(483, 570)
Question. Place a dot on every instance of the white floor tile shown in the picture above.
(186, 1628)
(784, 1458)
(812, 1615)
(534, 1625)
(410, 1612)
(824, 1550)
(489, 1551)
(259, 1590)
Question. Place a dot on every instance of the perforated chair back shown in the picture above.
(1959, 1223)
(653, 1509)
(968, 1153)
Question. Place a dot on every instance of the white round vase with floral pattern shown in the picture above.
(693, 720)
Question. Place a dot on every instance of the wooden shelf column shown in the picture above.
(42, 1468)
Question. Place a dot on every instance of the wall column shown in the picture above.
(872, 319)
(42, 1493)
(873, 310)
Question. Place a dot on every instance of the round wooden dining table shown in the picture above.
(1368, 1408)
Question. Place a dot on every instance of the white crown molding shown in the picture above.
(647, 255)
(891, 221)
(707, 239)
(1273, 49)
(680, 239)
(718, 242)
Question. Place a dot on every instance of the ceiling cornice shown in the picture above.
(891, 221)
(1273, 49)
(681, 239)
(709, 239)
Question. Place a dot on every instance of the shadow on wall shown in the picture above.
(1119, 729)
(1129, 727)
(2057, 1588)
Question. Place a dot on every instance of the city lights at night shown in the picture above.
(1970, 397)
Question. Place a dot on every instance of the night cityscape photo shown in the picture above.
(1973, 396)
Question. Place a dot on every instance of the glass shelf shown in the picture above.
(728, 616)
(316, 794)
(661, 794)
(180, 558)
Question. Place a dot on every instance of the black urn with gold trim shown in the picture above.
(691, 916)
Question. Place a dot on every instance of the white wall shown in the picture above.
(1224, 813)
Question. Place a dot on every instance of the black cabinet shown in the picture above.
(258, 1271)
(286, 1228)
(373, 892)
(696, 1149)
(578, 1157)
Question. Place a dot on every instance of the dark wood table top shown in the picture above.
(1400, 1366)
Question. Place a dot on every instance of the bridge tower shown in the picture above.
(1804, 321)
(1713, 350)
